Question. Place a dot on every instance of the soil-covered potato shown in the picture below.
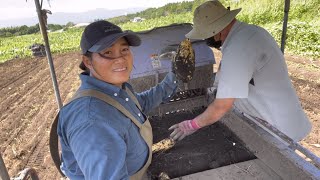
(163, 145)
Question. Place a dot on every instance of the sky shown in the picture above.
(16, 9)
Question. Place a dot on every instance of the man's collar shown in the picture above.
(235, 26)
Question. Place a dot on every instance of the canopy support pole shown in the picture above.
(3, 170)
(43, 29)
(285, 22)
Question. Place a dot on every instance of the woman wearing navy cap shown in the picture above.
(103, 131)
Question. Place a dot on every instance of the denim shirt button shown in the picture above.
(139, 114)
(127, 99)
(115, 94)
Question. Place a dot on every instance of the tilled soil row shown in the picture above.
(40, 158)
(26, 126)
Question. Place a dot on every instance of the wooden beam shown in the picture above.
(274, 153)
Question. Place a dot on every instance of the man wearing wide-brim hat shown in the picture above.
(252, 77)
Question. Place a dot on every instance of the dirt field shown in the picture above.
(28, 106)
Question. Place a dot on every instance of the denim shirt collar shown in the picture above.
(89, 82)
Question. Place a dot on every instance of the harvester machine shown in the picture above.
(268, 157)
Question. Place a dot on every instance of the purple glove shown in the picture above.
(183, 129)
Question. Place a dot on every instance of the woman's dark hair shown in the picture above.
(82, 66)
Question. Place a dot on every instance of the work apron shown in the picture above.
(145, 128)
(146, 134)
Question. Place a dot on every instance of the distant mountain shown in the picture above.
(63, 18)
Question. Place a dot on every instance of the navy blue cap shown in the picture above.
(100, 35)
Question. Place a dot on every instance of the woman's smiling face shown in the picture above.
(112, 65)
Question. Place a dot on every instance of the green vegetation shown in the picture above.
(161, 21)
(24, 30)
(18, 31)
(18, 46)
(303, 32)
(154, 13)
(302, 37)
(271, 11)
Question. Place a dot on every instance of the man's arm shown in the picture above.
(216, 110)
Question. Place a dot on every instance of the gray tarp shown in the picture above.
(155, 40)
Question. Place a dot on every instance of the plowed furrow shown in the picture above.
(32, 107)
(33, 152)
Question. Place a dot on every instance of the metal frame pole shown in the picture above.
(285, 22)
(292, 144)
(48, 52)
(3, 170)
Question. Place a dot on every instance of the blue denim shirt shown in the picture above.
(97, 140)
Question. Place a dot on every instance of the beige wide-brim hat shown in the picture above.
(209, 19)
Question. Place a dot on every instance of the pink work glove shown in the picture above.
(183, 129)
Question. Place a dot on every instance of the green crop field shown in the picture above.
(303, 32)
(18, 46)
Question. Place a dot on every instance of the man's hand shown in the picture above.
(183, 129)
